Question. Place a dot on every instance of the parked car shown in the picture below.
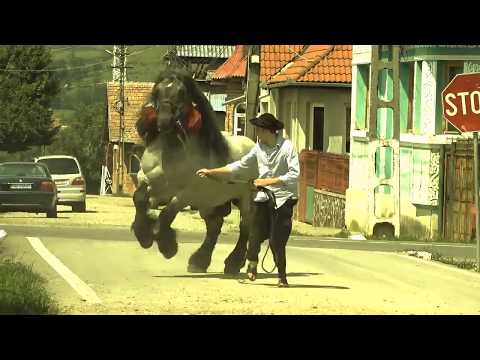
(29, 187)
(68, 176)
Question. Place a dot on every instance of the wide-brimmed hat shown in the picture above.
(267, 121)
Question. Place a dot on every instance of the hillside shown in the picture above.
(85, 83)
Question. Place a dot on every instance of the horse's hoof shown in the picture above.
(146, 244)
(232, 266)
(167, 243)
(231, 271)
(168, 252)
(231, 275)
(195, 269)
(143, 235)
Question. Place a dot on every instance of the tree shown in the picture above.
(82, 138)
(26, 95)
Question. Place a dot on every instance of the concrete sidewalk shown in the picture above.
(119, 211)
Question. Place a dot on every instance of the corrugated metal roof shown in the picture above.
(205, 51)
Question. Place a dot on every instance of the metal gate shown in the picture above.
(459, 195)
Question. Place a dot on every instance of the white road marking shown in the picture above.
(73, 280)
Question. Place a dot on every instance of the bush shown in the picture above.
(22, 291)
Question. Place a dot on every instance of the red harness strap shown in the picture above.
(192, 124)
(150, 118)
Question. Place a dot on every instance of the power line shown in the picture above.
(57, 69)
(61, 49)
(142, 50)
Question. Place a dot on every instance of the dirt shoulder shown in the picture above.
(120, 211)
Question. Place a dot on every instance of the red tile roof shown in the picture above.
(235, 66)
(274, 57)
(309, 63)
(136, 94)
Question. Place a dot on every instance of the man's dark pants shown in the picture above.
(276, 228)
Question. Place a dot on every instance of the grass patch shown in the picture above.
(344, 233)
(462, 263)
(22, 291)
(296, 232)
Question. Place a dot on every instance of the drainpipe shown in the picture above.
(441, 192)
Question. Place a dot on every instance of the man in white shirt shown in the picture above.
(278, 168)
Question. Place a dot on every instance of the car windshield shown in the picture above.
(61, 166)
(22, 170)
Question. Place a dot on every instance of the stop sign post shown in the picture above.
(461, 108)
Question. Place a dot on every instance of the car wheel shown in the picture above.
(80, 207)
(52, 213)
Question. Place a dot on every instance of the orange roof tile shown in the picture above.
(136, 94)
(235, 66)
(275, 57)
(313, 63)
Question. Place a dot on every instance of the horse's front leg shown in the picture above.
(142, 225)
(165, 236)
(200, 260)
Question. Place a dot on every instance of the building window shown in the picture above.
(318, 126)
(239, 120)
(288, 119)
(348, 114)
(264, 105)
(133, 164)
(411, 82)
(363, 91)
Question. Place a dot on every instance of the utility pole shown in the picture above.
(123, 76)
(119, 74)
(252, 88)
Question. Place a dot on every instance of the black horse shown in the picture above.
(178, 125)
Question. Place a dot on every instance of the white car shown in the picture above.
(68, 176)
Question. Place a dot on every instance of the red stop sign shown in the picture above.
(461, 102)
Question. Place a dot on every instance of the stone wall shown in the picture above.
(329, 209)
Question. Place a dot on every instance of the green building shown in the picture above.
(399, 138)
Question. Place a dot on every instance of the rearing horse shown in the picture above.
(178, 125)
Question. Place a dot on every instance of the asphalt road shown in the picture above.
(105, 271)
(124, 234)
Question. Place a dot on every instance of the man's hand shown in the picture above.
(203, 172)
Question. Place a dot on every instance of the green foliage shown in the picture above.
(23, 291)
(82, 138)
(26, 97)
(92, 69)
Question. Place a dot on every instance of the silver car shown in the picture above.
(69, 179)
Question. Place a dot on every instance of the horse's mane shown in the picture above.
(210, 137)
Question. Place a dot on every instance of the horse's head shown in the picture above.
(171, 101)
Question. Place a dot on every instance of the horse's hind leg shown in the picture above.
(237, 258)
(200, 260)
(142, 224)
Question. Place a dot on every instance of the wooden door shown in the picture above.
(459, 195)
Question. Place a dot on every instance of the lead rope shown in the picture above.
(273, 203)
